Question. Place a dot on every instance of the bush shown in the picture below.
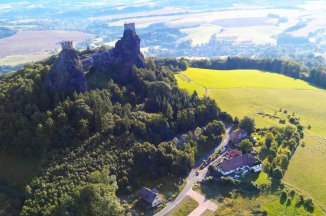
(283, 196)
(300, 201)
(292, 193)
(228, 181)
(248, 124)
(245, 146)
(278, 173)
(309, 205)
(282, 121)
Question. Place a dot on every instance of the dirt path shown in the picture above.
(188, 79)
(203, 203)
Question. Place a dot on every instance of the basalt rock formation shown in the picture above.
(66, 74)
(126, 52)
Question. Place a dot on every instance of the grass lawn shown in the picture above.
(275, 208)
(261, 95)
(231, 202)
(207, 213)
(186, 206)
(260, 178)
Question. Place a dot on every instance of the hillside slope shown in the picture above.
(269, 97)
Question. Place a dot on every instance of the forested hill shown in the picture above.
(101, 131)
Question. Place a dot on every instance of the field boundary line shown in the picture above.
(306, 195)
(205, 88)
(297, 89)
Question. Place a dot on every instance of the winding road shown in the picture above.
(192, 178)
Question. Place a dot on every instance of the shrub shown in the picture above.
(288, 202)
(245, 146)
(228, 181)
(300, 201)
(283, 196)
(292, 193)
(278, 173)
(309, 205)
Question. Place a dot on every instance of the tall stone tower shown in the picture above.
(130, 26)
(67, 45)
(66, 75)
(126, 53)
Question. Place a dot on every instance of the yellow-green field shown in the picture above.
(261, 95)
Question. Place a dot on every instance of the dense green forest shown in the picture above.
(125, 129)
(104, 141)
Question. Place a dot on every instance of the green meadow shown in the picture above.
(269, 98)
(186, 206)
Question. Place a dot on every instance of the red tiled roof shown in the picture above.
(234, 152)
(237, 162)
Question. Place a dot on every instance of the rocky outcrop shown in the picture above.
(125, 54)
(117, 63)
(127, 50)
(67, 73)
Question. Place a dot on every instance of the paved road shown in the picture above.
(192, 178)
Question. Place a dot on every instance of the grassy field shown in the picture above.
(22, 59)
(231, 202)
(261, 95)
(275, 208)
(186, 206)
(35, 42)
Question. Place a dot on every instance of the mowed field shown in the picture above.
(261, 95)
(22, 59)
(35, 42)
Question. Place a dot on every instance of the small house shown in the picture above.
(150, 197)
(238, 135)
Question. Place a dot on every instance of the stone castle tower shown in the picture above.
(67, 45)
(130, 26)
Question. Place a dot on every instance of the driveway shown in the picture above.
(192, 178)
(203, 203)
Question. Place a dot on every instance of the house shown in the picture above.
(239, 164)
(238, 135)
(257, 166)
(229, 154)
(150, 197)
